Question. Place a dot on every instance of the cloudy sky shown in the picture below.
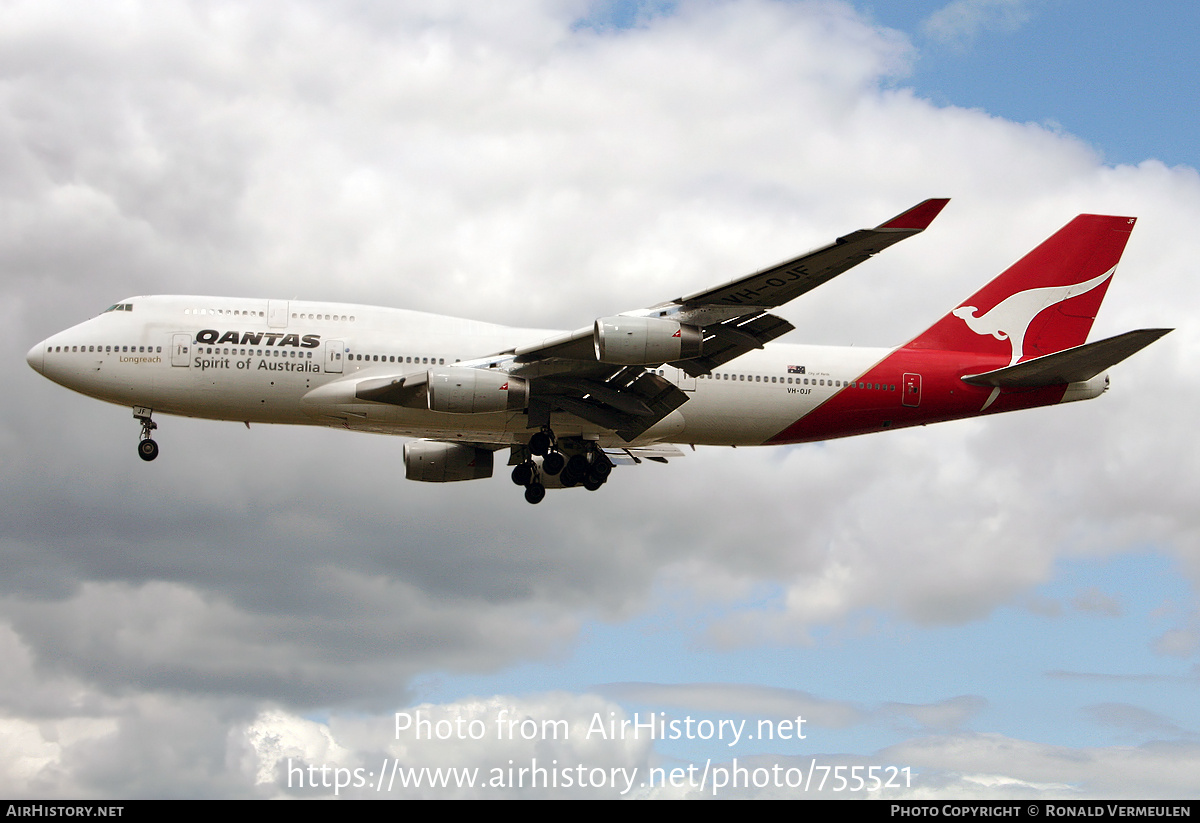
(992, 608)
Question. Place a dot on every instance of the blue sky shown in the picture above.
(1007, 605)
(1119, 76)
(1043, 669)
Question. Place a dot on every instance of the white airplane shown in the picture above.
(696, 370)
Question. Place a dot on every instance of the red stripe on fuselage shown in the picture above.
(942, 396)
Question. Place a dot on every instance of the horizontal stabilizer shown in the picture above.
(1070, 366)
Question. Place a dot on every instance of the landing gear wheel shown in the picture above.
(539, 444)
(147, 448)
(553, 463)
(576, 469)
(522, 474)
(592, 484)
(534, 493)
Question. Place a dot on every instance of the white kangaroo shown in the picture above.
(1010, 318)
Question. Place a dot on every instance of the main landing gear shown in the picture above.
(570, 463)
(526, 473)
(147, 448)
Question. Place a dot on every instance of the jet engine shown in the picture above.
(433, 462)
(645, 341)
(475, 391)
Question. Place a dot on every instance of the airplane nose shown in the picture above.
(36, 357)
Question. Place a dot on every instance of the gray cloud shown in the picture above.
(517, 168)
(1133, 718)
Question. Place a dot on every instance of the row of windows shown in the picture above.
(158, 350)
(398, 358)
(258, 314)
(805, 381)
(303, 354)
(106, 349)
(225, 312)
(305, 316)
(258, 352)
(759, 378)
(438, 361)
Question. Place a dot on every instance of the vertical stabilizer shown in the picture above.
(1045, 302)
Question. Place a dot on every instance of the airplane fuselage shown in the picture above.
(266, 361)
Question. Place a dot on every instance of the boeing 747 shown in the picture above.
(702, 369)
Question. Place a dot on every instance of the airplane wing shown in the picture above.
(606, 373)
(734, 316)
(603, 373)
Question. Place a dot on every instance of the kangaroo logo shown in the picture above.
(1010, 318)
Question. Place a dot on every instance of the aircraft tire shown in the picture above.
(147, 449)
(522, 474)
(592, 484)
(539, 444)
(534, 493)
(553, 463)
(577, 467)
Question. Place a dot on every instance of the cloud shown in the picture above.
(1178, 642)
(524, 169)
(1136, 719)
(1094, 600)
(553, 745)
(998, 767)
(723, 698)
(962, 21)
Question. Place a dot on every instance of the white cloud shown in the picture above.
(514, 167)
(994, 766)
(961, 21)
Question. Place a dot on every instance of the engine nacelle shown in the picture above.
(432, 462)
(645, 341)
(475, 391)
(1086, 389)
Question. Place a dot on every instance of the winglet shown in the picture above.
(918, 217)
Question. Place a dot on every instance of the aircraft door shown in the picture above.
(181, 347)
(334, 354)
(912, 390)
(277, 314)
(681, 378)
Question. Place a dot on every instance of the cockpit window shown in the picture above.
(118, 307)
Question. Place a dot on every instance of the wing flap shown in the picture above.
(733, 338)
(628, 402)
(632, 455)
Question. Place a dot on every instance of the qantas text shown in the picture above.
(212, 337)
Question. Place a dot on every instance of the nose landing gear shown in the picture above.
(147, 448)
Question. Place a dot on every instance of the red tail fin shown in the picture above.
(1043, 303)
